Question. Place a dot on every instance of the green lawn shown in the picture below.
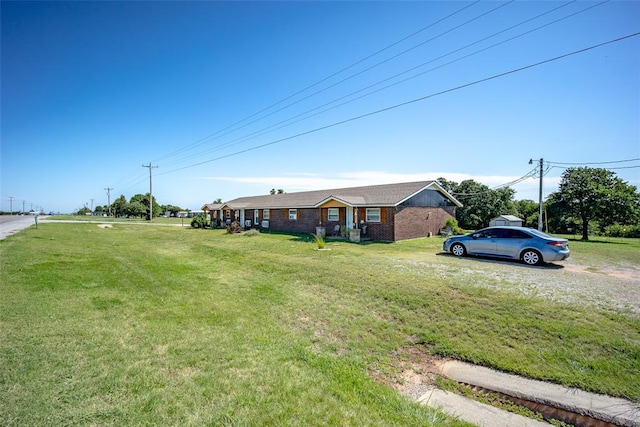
(168, 326)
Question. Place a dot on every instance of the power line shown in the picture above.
(205, 139)
(596, 163)
(422, 98)
(305, 115)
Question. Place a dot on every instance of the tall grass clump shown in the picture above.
(320, 242)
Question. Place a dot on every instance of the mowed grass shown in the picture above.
(140, 325)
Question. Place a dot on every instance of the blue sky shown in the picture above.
(232, 99)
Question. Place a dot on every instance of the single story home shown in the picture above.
(213, 210)
(388, 212)
(503, 220)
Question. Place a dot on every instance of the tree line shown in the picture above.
(136, 207)
(588, 201)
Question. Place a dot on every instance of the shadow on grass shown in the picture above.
(512, 262)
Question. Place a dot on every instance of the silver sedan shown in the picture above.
(531, 246)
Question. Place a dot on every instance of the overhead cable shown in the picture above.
(305, 115)
(415, 100)
(207, 138)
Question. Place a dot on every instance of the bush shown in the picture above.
(452, 223)
(199, 221)
(617, 230)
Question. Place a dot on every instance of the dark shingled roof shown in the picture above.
(212, 206)
(373, 195)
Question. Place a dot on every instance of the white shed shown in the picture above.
(506, 220)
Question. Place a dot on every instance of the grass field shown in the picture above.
(136, 325)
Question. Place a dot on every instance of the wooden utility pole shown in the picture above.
(150, 190)
(539, 194)
(109, 199)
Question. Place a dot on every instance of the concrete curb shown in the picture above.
(613, 410)
(475, 412)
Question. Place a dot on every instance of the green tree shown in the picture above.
(136, 209)
(594, 194)
(144, 199)
(450, 187)
(480, 202)
(169, 208)
(83, 211)
(528, 210)
(119, 205)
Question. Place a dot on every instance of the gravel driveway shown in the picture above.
(613, 289)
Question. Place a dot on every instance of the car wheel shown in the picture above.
(531, 257)
(458, 250)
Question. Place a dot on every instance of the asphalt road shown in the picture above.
(11, 224)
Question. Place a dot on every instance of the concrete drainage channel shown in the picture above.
(575, 407)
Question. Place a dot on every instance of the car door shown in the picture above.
(511, 242)
(483, 242)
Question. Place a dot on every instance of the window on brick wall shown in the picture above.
(333, 214)
(373, 215)
(265, 214)
(293, 214)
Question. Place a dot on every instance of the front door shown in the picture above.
(349, 217)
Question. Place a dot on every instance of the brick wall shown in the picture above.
(306, 222)
(413, 222)
(383, 230)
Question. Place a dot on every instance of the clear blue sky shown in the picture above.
(91, 91)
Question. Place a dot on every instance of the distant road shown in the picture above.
(11, 224)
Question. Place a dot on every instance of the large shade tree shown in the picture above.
(144, 200)
(594, 194)
(481, 203)
(119, 206)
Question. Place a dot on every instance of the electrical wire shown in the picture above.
(207, 138)
(422, 98)
(596, 163)
(305, 115)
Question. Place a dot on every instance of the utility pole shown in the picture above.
(23, 202)
(10, 205)
(91, 205)
(109, 199)
(539, 194)
(150, 190)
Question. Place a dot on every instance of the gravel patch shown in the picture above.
(611, 289)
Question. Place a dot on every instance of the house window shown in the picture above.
(333, 214)
(293, 214)
(256, 216)
(265, 214)
(373, 215)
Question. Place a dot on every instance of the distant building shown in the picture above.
(503, 220)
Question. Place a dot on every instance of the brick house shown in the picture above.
(214, 212)
(388, 212)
